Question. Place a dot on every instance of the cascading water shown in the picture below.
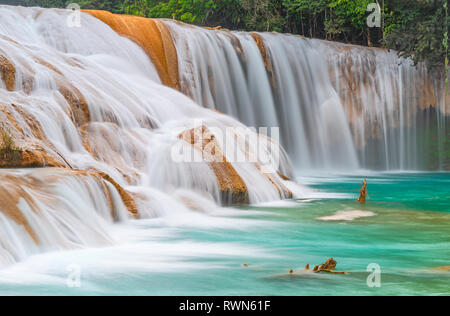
(87, 98)
(290, 89)
(389, 101)
(92, 103)
(338, 106)
(48, 210)
(99, 149)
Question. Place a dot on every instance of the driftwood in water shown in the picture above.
(363, 192)
(329, 266)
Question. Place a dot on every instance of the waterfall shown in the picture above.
(131, 118)
(290, 89)
(338, 106)
(391, 104)
(49, 210)
(91, 103)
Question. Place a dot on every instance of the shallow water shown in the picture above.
(404, 228)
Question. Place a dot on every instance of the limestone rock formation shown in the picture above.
(7, 72)
(126, 196)
(264, 54)
(32, 146)
(154, 38)
(11, 192)
(17, 151)
(16, 187)
(231, 185)
(34, 187)
(28, 158)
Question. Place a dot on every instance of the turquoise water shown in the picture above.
(407, 233)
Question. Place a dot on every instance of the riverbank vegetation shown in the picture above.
(415, 28)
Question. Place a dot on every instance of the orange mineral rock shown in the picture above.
(16, 187)
(127, 199)
(154, 38)
(231, 186)
(7, 72)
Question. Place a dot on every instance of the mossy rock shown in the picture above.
(11, 155)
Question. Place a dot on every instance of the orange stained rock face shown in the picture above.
(11, 191)
(33, 156)
(231, 185)
(106, 141)
(78, 104)
(284, 192)
(7, 72)
(127, 199)
(29, 151)
(274, 178)
(267, 63)
(76, 101)
(262, 48)
(154, 38)
(15, 187)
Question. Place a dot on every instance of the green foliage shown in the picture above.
(332, 19)
(419, 29)
(193, 11)
(115, 6)
(42, 3)
(261, 15)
